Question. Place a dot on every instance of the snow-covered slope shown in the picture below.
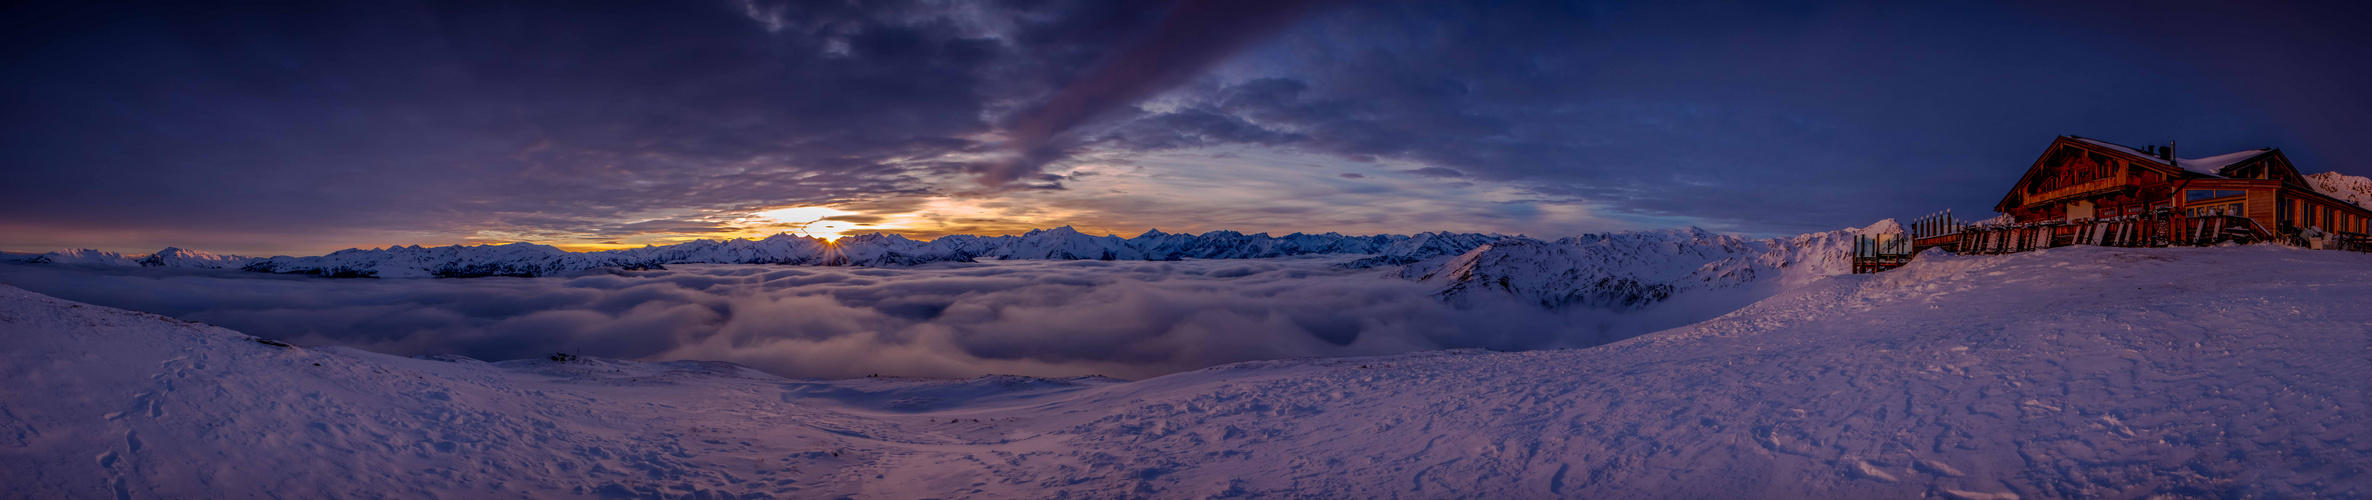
(2357, 190)
(1634, 270)
(2078, 372)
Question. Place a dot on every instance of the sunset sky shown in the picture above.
(300, 130)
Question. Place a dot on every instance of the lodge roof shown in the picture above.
(2210, 166)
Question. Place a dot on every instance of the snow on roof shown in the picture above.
(2120, 147)
(2212, 165)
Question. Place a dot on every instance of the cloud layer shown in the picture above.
(1124, 319)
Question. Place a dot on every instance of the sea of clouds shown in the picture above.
(1040, 318)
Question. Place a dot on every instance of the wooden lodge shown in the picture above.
(2092, 192)
(2088, 179)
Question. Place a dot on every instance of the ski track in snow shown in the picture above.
(2073, 372)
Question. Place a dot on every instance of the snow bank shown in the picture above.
(2069, 372)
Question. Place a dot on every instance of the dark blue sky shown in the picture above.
(259, 129)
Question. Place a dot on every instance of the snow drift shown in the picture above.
(2071, 372)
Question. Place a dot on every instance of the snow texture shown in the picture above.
(2214, 165)
(2078, 372)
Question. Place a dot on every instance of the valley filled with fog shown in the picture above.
(1040, 318)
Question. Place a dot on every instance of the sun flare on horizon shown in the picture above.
(813, 221)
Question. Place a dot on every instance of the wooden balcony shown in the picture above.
(2078, 190)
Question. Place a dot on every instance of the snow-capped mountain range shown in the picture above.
(1620, 271)
(1061, 243)
(2357, 190)
(169, 257)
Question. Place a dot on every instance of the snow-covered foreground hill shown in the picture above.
(2072, 372)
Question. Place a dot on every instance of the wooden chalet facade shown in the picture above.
(2080, 179)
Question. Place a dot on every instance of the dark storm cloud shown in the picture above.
(1190, 38)
(471, 115)
(1129, 319)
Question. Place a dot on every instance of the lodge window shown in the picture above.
(2199, 195)
(2234, 208)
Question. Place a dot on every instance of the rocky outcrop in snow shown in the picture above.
(2357, 190)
